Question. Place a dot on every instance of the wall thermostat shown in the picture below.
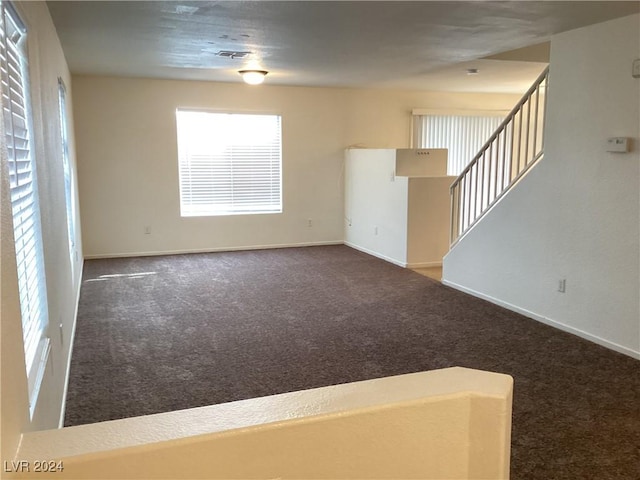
(618, 144)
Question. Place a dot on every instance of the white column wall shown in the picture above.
(376, 204)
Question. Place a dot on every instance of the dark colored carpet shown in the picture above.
(157, 334)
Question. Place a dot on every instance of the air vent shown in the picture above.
(186, 9)
(232, 54)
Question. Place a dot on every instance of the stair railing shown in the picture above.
(512, 149)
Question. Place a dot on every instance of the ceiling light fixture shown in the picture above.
(253, 77)
(472, 71)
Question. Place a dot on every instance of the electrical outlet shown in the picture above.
(562, 285)
(375, 230)
(147, 230)
(310, 223)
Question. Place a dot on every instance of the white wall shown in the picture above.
(576, 215)
(46, 64)
(128, 173)
(127, 159)
(382, 118)
(376, 204)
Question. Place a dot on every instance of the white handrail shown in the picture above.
(512, 149)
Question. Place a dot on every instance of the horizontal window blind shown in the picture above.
(24, 196)
(463, 136)
(229, 164)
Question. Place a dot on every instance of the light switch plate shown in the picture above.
(636, 68)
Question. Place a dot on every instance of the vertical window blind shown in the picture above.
(229, 163)
(463, 136)
(24, 196)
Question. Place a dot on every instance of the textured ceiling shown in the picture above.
(411, 45)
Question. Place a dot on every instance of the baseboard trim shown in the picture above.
(560, 326)
(63, 406)
(212, 250)
(375, 254)
(393, 260)
(424, 264)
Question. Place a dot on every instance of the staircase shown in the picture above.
(515, 146)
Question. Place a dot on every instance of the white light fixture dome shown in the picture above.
(253, 77)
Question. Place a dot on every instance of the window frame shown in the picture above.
(232, 207)
(454, 166)
(23, 187)
(69, 181)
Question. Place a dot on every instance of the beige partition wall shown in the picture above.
(429, 217)
(453, 423)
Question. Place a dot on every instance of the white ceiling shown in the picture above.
(393, 44)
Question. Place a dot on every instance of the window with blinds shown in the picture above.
(24, 196)
(462, 135)
(229, 164)
(68, 173)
